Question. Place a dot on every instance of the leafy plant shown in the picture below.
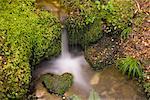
(93, 96)
(117, 15)
(130, 66)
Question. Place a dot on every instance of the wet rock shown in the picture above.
(57, 84)
(102, 53)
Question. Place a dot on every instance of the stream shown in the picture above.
(109, 83)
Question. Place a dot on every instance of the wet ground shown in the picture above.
(110, 84)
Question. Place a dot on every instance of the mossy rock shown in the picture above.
(108, 16)
(26, 39)
(103, 53)
(83, 27)
(118, 16)
(57, 84)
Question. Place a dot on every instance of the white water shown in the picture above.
(67, 63)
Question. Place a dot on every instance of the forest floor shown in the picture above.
(138, 43)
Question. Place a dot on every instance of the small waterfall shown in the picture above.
(64, 43)
(66, 63)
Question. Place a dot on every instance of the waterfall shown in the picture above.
(64, 43)
(66, 63)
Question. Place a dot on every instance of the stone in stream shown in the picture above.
(57, 84)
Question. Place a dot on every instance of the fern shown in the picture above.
(130, 66)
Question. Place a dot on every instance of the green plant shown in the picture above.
(93, 96)
(131, 66)
(117, 15)
(26, 38)
(125, 32)
(83, 26)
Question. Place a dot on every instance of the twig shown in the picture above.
(138, 6)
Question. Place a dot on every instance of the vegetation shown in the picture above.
(57, 84)
(93, 96)
(130, 66)
(118, 16)
(111, 17)
(26, 38)
(28, 35)
(83, 26)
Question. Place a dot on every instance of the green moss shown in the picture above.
(118, 14)
(83, 26)
(47, 38)
(57, 84)
(26, 38)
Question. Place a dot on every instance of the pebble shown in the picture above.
(95, 79)
(5, 63)
(63, 98)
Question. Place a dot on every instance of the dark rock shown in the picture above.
(103, 53)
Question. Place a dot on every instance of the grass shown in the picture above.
(130, 66)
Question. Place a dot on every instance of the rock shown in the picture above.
(102, 53)
(95, 79)
(42, 94)
(57, 84)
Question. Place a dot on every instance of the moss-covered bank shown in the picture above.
(25, 39)
(83, 25)
(89, 19)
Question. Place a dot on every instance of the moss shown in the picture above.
(108, 16)
(57, 84)
(83, 26)
(118, 16)
(47, 39)
(26, 39)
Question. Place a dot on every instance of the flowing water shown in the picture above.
(68, 63)
(110, 83)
